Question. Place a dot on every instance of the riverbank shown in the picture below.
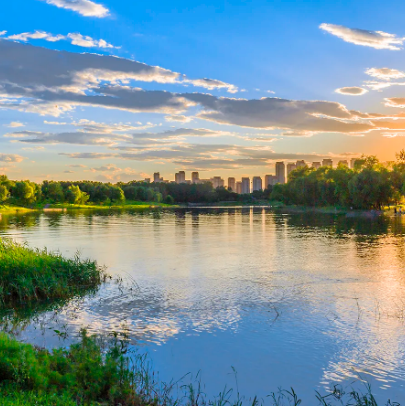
(130, 205)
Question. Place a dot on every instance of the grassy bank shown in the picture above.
(29, 276)
(9, 209)
(13, 209)
(127, 205)
(93, 372)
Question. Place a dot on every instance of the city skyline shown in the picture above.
(257, 182)
(131, 90)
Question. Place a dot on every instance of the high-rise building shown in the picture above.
(245, 185)
(257, 183)
(290, 167)
(300, 164)
(217, 181)
(156, 177)
(267, 181)
(231, 184)
(195, 177)
(147, 180)
(280, 172)
(270, 180)
(239, 187)
(180, 177)
(316, 165)
(327, 162)
(343, 163)
(353, 162)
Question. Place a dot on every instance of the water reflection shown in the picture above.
(288, 299)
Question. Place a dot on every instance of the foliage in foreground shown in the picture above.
(93, 372)
(29, 275)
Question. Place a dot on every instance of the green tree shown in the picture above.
(371, 188)
(25, 192)
(4, 193)
(158, 197)
(169, 200)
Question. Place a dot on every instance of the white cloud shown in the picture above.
(3, 33)
(75, 39)
(211, 84)
(395, 102)
(393, 135)
(351, 91)
(385, 73)
(14, 124)
(33, 148)
(25, 36)
(374, 39)
(69, 72)
(88, 42)
(54, 122)
(86, 8)
(178, 118)
(10, 158)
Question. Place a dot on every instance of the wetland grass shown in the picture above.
(96, 372)
(30, 275)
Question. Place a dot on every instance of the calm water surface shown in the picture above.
(287, 300)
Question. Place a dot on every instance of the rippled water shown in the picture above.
(298, 300)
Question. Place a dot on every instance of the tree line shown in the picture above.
(27, 193)
(369, 185)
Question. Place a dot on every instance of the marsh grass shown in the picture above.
(32, 275)
(96, 371)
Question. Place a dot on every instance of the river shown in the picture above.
(280, 300)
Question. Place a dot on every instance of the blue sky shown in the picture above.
(274, 70)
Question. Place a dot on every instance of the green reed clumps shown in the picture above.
(96, 372)
(89, 372)
(29, 276)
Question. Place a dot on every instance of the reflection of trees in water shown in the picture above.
(340, 225)
(25, 220)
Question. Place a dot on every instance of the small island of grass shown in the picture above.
(29, 275)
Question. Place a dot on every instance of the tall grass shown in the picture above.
(32, 275)
(96, 372)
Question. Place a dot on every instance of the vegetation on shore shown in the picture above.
(29, 276)
(370, 185)
(93, 372)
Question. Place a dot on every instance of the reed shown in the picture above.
(32, 275)
(96, 371)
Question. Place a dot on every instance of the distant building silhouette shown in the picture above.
(353, 162)
(301, 164)
(232, 184)
(245, 185)
(327, 162)
(239, 187)
(156, 177)
(257, 183)
(343, 163)
(280, 172)
(217, 181)
(180, 177)
(316, 165)
(290, 167)
(195, 177)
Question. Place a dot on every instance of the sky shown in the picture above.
(117, 90)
